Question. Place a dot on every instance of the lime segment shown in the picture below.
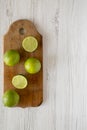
(30, 44)
(19, 81)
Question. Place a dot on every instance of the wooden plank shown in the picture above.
(32, 95)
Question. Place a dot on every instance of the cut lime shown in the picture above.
(30, 44)
(10, 98)
(32, 65)
(19, 81)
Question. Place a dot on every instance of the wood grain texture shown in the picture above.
(32, 95)
(63, 24)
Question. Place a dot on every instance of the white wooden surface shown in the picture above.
(63, 24)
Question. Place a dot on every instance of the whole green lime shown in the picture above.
(32, 65)
(11, 57)
(10, 98)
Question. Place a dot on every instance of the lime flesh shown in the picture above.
(19, 81)
(11, 57)
(30, 44)
(32, 65)
(10, 98)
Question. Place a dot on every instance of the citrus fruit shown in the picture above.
(30, 44)
(10, 98)
(32, 65)
(19, 81)
(11, 57)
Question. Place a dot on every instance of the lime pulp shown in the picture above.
(19, 81)
(30, 44)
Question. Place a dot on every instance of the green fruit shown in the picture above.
(19, 81)
(32, 65)
(30, 44)
(11, 57)
(10, 98)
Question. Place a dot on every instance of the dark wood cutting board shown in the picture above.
(32, 95)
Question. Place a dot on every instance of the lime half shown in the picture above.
(30, 44)
(19, 81)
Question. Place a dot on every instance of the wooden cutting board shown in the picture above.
(32, 95)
